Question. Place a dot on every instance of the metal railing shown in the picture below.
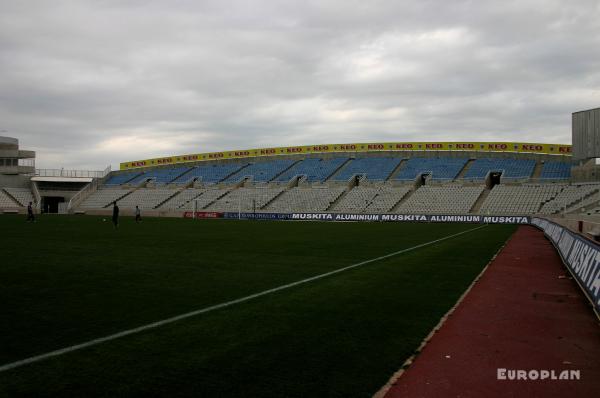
(81, 195)
(72, 173)
(37, 196)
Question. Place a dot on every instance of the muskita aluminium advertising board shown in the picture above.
(579, 254)
(412, 218)
(478, 219)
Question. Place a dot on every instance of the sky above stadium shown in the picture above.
(93, 83)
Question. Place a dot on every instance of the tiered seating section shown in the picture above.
(439, 199)
(556, 171)
(210, 174)
(202, 197)
(511, 168)
(6, 201)
(246, 199)
(356, 200)
(160, 176)
(306, 199)
(452, 199)
(315, 170)
(184, 200)
(342, 169)
(262, 171)
(440, 169)
(520, 199)
(571, 198)
(22, 195)
(325, 187)
(122, 178)
(146, 198)
(103, 197)
(375, 169)
(371, 199)
(386, 199)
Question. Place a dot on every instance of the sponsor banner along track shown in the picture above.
(469, 218)
(580, 255)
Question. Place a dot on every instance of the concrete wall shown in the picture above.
(588, 226)
(131, 212)
(17, 170)
(15, 181)
(55, 193)
(586, 135)
(586, 172)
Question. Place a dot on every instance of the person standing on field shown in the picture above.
(30, 215)
(115, 216)
(138, 214)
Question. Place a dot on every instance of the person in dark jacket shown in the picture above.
(30, 215)
(115, 216)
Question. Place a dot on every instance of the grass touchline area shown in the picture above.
(64, 280)
(176, 318)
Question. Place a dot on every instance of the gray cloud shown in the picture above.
(88, 84)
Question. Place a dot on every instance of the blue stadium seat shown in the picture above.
(440, 168)
(376, 169)
(122, 178)
(262, 171)
(212, 173)
(161, 176)
(313, 168)
(556, 170)
(511, 168)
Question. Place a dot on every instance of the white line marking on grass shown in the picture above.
(176, 318)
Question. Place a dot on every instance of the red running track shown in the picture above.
(521, 314)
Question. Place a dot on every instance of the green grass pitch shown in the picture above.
(68, 279)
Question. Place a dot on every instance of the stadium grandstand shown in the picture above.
(412, 178)
(429, 178)
(469, 178)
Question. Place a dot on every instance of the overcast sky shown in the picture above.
(92, 83)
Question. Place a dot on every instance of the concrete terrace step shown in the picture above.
(339, 170)
(537, 171)
(14, 199)
(464, 170)
(479, 202)
(402, 200)
(396, 170)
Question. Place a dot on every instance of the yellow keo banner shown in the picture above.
(519, 147)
